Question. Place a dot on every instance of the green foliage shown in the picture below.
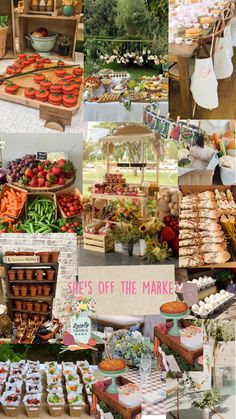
(183, 365)
(12, 352)
(222, 276)
(3, 21)
(133, 18)
(208, 399)
(99, 16)
(220, 330)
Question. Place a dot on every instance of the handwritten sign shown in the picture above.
(190, 293)
(21, 259)
(42, 155)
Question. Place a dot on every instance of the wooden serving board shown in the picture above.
(53, 188)
(27, 81)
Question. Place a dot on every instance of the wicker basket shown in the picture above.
(3, 41)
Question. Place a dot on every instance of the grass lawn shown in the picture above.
(135, 72)
(166, 178)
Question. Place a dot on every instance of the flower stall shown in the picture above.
(121, 217)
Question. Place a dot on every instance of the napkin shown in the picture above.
(155, 396)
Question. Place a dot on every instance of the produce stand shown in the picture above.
(173, 342)
(7, 8)
(68, 26)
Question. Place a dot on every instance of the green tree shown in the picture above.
(132, 18)
(99, 17)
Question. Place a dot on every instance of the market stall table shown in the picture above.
(23, 119)
(115, 111)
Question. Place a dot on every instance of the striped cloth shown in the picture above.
(153, 383)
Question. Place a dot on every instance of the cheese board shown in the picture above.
(57, 101)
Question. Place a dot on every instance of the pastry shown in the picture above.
(174, 307)
(112, 364)
(109, 97)
(193, 33)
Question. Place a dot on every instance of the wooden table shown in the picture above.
(173, 342)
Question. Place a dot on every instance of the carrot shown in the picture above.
(11, 203)
(216, 140)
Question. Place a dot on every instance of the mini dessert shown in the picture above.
(174, 307)
(192, 337)
(130, 395)
(112, 365)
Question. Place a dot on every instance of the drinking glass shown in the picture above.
(145, 368)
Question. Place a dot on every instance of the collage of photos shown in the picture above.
(117, 209)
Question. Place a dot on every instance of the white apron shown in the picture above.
(233, 30)
(204, 84)
(228, 40)
(223, 66)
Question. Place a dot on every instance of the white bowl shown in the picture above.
(205, 26)
(188, 41)
(178, 40)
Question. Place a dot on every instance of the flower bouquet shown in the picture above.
(79, 305)
(129, 345)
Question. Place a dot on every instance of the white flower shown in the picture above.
(149, 52)
(144, 52)
(141, 60)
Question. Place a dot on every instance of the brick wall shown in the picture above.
(66, 244)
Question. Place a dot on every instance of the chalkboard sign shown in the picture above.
(190, 293)
(42, 155)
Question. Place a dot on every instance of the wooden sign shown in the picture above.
(81, 328)
(21, 259)
(42, 155)
(190, 293)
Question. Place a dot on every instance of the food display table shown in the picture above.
(173, 342)
(133, 375)
(115, 111)
(24, 119)
(141, 200)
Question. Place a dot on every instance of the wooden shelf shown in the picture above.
(45, 15)
(38, 298)
(30, 281)
(32, 312)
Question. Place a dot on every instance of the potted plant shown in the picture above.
(207, 402)
(63, 45)
(68, 7)
(3, 35)
(223, 279)
(127, 235)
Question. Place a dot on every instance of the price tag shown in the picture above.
(42, 155)
(190, 293)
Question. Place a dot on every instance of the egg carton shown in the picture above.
(218, 307)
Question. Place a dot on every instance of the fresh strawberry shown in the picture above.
(50, 177)
(61, 162)
(47, 162)
(28, 173)
(40, 168)
(35, 170)
(56, 170)
(47, 184)
(61, 181)
(41, 182)
(33, 183)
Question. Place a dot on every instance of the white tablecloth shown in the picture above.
(19, 118)
(116, 112)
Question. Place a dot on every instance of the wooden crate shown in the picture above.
(22, 191)
(98, 242)
(7, 8)
(57, 9)
(64, 25)
(77, 192)
(48, 195)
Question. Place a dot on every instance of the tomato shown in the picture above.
(60, 63)
(69, 78)
(76, 89)
(38, 66)
(22, 56)
(60, 73)
(17, 67)
(63, 228)
(10, 70)
(40, 60)
(31, 59)
(42, 95)
(55, 99)
(47, 61)
(76, 224)
(30, 93)
(69, 100)
(62, 82)
(67, 224)
(35, 55)
(78, 80)
(68, 88)
(39, 77)
(78, 71)
(71, 230)
(45, 84)
(68, 214)
(56, 88)
(11, 88)
(26, 62)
